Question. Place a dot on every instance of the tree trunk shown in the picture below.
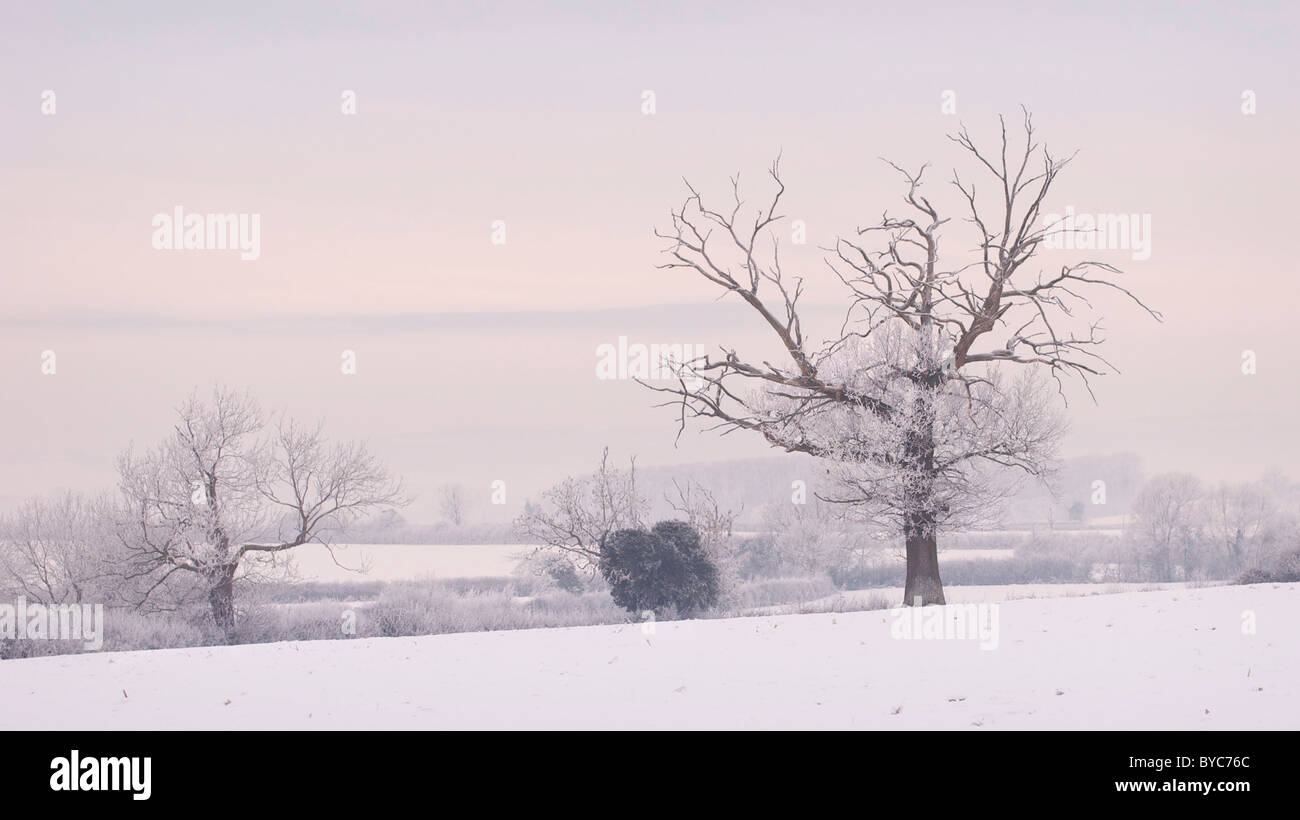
(923, 581)
(221, 597)
(923, 587)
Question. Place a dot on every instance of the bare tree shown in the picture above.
(1253, 522)
(906, 401)
(809, 538)
(699, 508)
(1168, 517)
(576, 514)
(1236, 517)
(451, 503)
(50, 549)
(227, 492)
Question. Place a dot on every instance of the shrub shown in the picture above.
(666, 570)
(566, 577)
(296, 592)
(304, 621)
(127, 630)
(956, 572)
(1285, 570)
(433, 608)
(760, 558)
(778, 591)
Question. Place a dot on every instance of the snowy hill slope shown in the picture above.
(1174, 659)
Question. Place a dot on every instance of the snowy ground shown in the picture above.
(1172, 659)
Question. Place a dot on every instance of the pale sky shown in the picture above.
(476, 361)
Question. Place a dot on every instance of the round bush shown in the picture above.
(665, 570)
(565, 577)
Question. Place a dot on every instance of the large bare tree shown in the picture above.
(228, 491)
(918, 413)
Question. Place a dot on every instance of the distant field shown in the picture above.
(403, 562)
(400, 562)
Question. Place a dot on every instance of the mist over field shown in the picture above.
(589, 366)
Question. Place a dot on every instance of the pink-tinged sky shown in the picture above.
(477, 361)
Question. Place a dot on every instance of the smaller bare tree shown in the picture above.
(576, 514)
(452, 503)
(227, 494)
(1237, 515)
(699, 508)
(1167, 512)
(811, 537)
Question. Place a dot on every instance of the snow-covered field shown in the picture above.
(1170, 659)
